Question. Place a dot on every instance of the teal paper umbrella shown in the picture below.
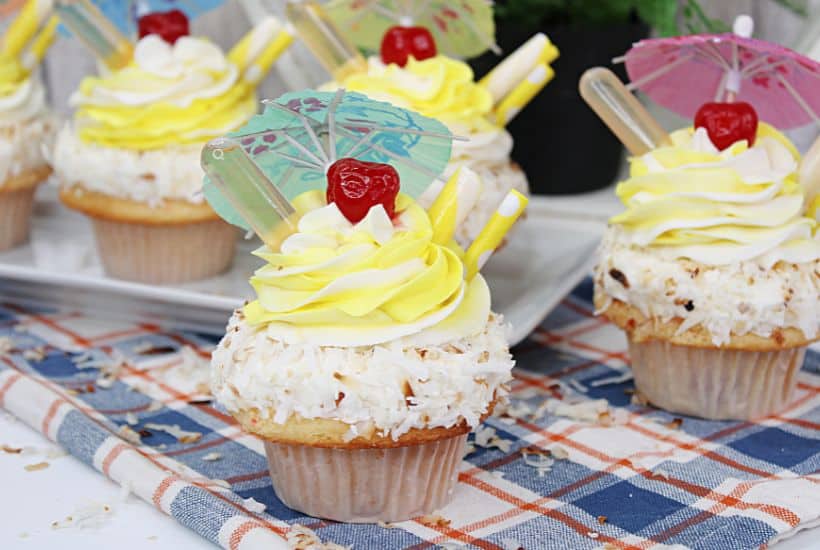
(301, 134)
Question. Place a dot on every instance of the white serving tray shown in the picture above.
(548, 254)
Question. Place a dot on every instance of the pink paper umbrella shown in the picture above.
(683, 73)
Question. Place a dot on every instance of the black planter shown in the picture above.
(559, 141)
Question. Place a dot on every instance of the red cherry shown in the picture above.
(401, 42)
(355, 186)
(169, 25)
(727, 123)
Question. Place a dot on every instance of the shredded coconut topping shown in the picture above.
(738, 299)
(394, 387)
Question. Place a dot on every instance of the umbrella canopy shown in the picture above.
(301, 134)
(683, 73)
(461, 28)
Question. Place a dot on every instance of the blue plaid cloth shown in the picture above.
(619, 475)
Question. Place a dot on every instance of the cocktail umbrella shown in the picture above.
(301, 134)
(461, 28)
(682, 73)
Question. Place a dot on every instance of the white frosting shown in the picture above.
(28, 101)
(735, 299)
(451, 383)
(192, 68)
(736, 208)
(143, 176)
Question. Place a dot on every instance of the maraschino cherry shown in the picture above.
(356, 186)
(169, 25)
(399, 43)
(727, 123)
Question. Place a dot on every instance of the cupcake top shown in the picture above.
(717, 239)
(339, 283)
(438, 87)
(744, 203)
(371, 324)
(168, 96)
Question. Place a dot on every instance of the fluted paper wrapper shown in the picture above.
(164, 254)
(366, 485)
(719, 384)
(15, 216)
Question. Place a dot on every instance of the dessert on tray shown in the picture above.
(713, 269)
(130, 159)
(410, 71)
(26, 123)
(371, 350)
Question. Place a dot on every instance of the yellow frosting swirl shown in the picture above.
(168, 95)
(342, 284)
(690, 200)
(438, 87)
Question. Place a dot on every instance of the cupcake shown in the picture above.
(130, 159)
(445, 89)
(26, 135)
(371, 350)
(713, 271)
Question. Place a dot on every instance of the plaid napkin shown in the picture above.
(575, 461)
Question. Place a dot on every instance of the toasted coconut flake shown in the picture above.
(89, 516)
(302, 538)
(212, 457)
(7, 345)
(127, 433)
(221, 483)
(434, 521)
(131, 419)
(253, 505)
(589, 411)
(35, 354)
(36, 466)
(183, 436)
(639, 399)
(674, 424)
(8, 449)
(486, 437)
(593, 535)
(602, 519)
(559, 452)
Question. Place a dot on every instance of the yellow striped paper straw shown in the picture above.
(454, 201)
(256, 52)
(522, 94)
(493, 233)
(30, 19)
(518, 65)
(40, 45)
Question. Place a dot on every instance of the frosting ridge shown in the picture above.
(185, 93)
(344, 284)
(691, 201)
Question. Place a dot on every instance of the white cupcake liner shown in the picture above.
(15, 216)
(366, 485)
(164, 254)
(719, 384)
